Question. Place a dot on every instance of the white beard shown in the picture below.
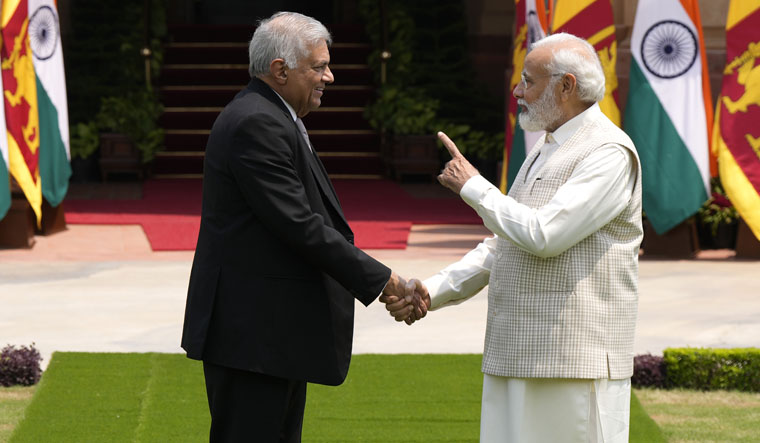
(542, 114)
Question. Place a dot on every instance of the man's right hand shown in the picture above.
(406, 301)
(458, 170)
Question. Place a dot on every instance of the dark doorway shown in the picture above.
(243, 12)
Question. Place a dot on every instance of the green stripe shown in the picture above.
(55, 169)
(673, 189)
(5, 191)
(517, 156)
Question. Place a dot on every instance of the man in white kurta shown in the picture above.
(562, 266)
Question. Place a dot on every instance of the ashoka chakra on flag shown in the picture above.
(668, 49)
(43, 32)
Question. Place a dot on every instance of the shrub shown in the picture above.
(84, 139)
(711, 369)
(648, 371)
(19, 366)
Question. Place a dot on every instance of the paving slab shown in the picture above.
(101, 289)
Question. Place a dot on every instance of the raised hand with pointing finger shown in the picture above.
(457, 170)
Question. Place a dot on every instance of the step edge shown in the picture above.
(169, 176)
(172, 45)
(180, 154)
(238, 88)
(356, 176)
(312, 132)
(219, 109)
(349, 154)
(182, 66)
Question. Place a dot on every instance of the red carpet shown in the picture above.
(380, 212)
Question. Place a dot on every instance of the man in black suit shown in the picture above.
(270, 303)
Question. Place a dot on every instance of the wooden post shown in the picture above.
(53, 219)
(747, 245)
(119, 154)
(679, 242)
(17, 227)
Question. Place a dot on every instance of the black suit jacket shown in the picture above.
(275, 271)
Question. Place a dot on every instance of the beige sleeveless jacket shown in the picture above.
(573, 315)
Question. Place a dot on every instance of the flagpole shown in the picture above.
(146, 52)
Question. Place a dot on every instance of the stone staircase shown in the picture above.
(206, 65)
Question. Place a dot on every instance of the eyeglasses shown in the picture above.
(524, 81)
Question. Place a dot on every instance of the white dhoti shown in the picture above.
(519, 410)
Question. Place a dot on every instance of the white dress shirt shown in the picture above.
(287, 105)
(597, 191)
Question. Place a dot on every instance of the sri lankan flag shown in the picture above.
(530, 26)
(736, 133)
(592, 20)
(20, 100)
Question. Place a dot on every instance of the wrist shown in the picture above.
(395, 285)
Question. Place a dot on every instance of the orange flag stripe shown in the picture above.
(692, 8)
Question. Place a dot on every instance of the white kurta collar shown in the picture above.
(566, 131)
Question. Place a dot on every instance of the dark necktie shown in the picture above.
(324, 176)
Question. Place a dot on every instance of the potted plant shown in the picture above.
(427, 86)
(129, 39)
(717, 220)
(84, 142)
(483, 149)
(407, 120)
(130, 135)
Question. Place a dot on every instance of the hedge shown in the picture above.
(703, 369)
(710, 369)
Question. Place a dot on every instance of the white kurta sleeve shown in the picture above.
(463, 279)
(597, 191)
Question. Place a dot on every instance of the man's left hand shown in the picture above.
(408, 305)
(458, 170)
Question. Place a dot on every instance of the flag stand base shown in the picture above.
(747, 245)
(679, 242)
(53, 219)
(17, 227)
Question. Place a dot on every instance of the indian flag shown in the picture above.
(530, 26)
(45, 41)
(668, 114)
(736, 134)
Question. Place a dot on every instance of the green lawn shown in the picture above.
(87, 397)
(693, 416)
(13, 402)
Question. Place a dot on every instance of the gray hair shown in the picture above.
(286, 35)
(578, 58)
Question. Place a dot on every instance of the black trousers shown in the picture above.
(250, 407)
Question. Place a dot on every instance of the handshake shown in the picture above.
(407, 301)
